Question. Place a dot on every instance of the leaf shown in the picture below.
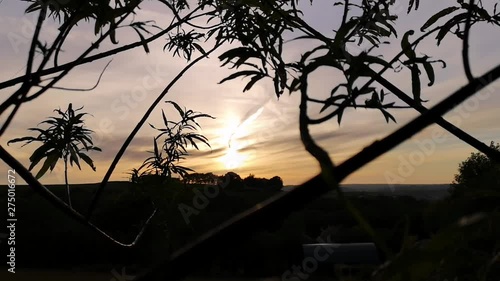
(253, 80)
(73, 157)
(415, 3)
(199, 48)
(177, 107)
(87, 160)
(143, 41)
(437, 16)
(38, 155)
(30, 139)
(33, 7)
(112, 31)
(295, 85)
(241, 52)
(430, 73)
(406, 46)
(388, 116)
(241, 73)
(339, 115)
(49, 162)
(415, 82)
(447, 26)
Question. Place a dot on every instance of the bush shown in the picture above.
(478, 172)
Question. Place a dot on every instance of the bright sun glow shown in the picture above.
(233, 159)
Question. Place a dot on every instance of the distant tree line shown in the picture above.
(201, 178)
(234, 181)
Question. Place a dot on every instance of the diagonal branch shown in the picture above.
(459, 133)
(427, 118)
(61, 205)
(462, 135)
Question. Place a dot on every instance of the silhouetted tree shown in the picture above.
(233, 180)
(66, 138)
(250, 180)
(176, 136)
(477, 172)
(276, 183)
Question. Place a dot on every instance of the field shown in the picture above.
(47, 240)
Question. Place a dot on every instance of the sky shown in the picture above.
(262, 130)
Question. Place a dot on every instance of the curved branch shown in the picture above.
(328, 167)
(83, 90)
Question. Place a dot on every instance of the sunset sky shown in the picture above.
(263, 131)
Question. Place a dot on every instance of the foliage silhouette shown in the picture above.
(66, 138)
(108, 18)
(259, 28)
(176, 137)
(275, 183)
(477, 173)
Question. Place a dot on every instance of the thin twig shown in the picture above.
(83, 90)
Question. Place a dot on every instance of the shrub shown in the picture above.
(478, 172)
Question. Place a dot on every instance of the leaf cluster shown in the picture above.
(170, 146)
(66, 138)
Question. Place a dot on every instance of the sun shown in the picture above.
(233, 159)
(231, 135)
